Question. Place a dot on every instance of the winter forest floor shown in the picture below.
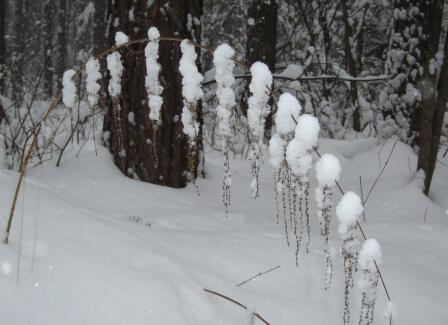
(96, 262)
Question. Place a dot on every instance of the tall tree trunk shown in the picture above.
(434, 96)
(48, 47)
(261, 32)
(351, 66)
(261, 40)
(140, 150)
(2, 45)
(60, 61)
(99, 26)
(18, 48)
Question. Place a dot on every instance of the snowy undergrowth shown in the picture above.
(93, 266)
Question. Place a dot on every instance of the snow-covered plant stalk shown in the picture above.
(192, 92)
(298, 157)
(152, 84)
(369, 257)
(153, 87)
(348, 211)
(224, 64)
(69, 88)
(258, 110)
(328, 170)
(115, 67)
(285, 121)
(92, 76)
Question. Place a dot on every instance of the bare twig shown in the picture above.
(257, 275)
(257, 315)
(381, 173)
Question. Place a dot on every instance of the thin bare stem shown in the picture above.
(257, 315)
(257, 275)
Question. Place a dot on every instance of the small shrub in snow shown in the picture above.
(258, 110)
(224, 64)
(369, 255)
(327, 173)
(348, 211)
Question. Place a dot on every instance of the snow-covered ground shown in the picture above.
(111, 250)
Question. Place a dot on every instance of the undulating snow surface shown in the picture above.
(112, 250)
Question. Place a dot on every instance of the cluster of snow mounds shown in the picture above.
(224, 64)
(191, 89)
(258, 110)
(152, 84)
(258, 107)
(69, 88)
(92, 76)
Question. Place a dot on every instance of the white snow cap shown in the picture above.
(69, 88)
(328, 170)
(121, 38)
(369, 254)
(258, 107)
(348, 210)
(307, 130)
(92, 85)
(298, 158)
(277, 150)
(153, 34)
(287, 114)
(115, 68)
(191, 78)
(153, 87)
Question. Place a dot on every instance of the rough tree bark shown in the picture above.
(60, 57)
(47, 47)
(434, 93)
(139, 150)
(261, 32)
(261, 40)
(17, 55)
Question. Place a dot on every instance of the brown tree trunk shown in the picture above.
(60, 61)
(261, 32)
(351, 67)
(434, 96)
(48, 47)
(155, 155)
(261, 41)
(18, 48)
